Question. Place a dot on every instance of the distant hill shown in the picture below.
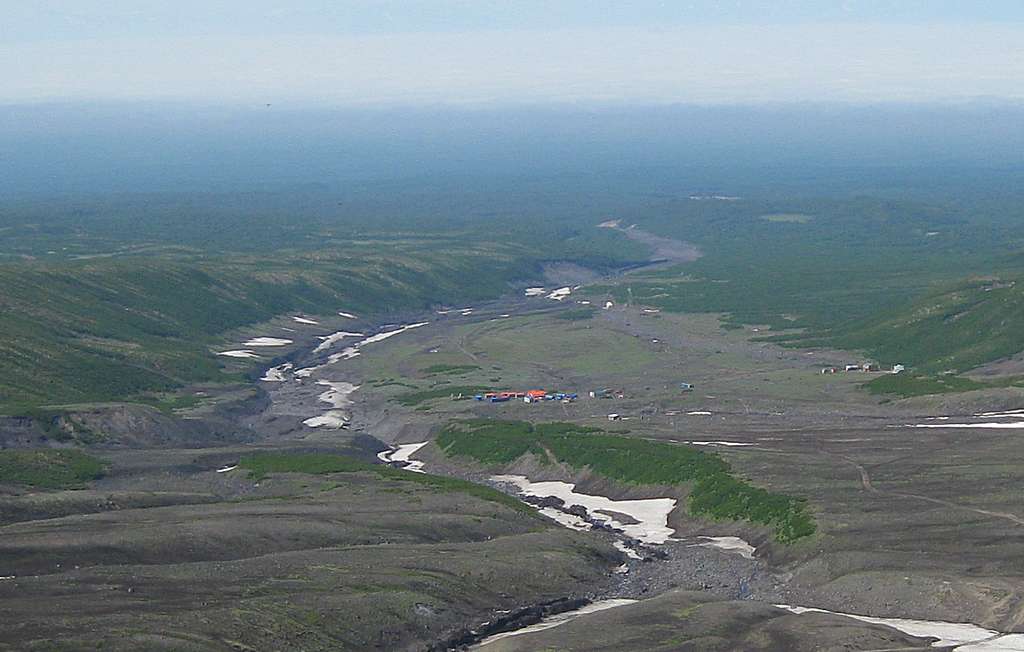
(110, 328)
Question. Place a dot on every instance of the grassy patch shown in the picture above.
(261, 465)
(49, 468)
(409, 399)
(450, 369)
(906, 385)
(715, 493)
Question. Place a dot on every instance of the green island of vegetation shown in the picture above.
(715, 491)
(50, 468)
(449, 369)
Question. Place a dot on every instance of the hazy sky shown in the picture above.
(491, 52)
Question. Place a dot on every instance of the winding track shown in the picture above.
(865, 480)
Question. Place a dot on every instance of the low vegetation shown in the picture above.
(715, 491)
(449, 369)
(577, 314)
(49, 468)
(906, 385)
(261, 465)
(418, 397)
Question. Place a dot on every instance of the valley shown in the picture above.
(924, 535)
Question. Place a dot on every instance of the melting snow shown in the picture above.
(337, 397)
(276, 374)
(327, 341)
(401, 454)
(303, 320)
(559, 619)
(348, 315)
(227, 468)
(241, 353)
(267, 341)
(1012, 425)
(651, 513)
(957, 634)
(731, 544)
(626, 550)
(333, 419)
(534, 292)
(560, 293)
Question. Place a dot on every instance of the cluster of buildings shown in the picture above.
(530, 396)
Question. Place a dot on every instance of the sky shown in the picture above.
(382, 53)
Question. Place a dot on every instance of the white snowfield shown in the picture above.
(965, 636)
(402, 455)
(353, 351)
(626, 550)
(651, 513)
(267, 341)
(276, 374)
(560, 294)
(730, 544)
(239, 353)
(337, 396)
(998, 425)
(557, 619)
(331, 419)
(327, 341)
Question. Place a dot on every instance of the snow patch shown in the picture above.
(626, 550)
(332, 419)
(227, 468)
(558, 619)
(651, 513)
(327, 341)
(337, 396)
(402, 454)
(276, 374)
(268, 341)
(303, 320)
(955, 634)
(239, 353)
(534, 292)
(718, 443)
(730, 544)
(988, 424)
(560, 294)
(347, 315)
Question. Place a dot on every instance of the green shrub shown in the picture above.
(715, 492)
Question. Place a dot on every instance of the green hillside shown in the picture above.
(955, 329)
(109, 328)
